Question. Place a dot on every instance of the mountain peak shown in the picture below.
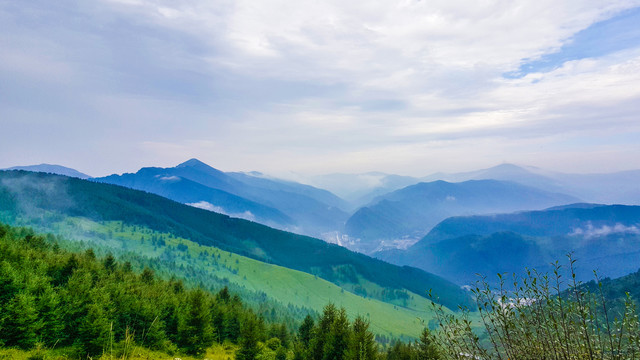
(200, 167)
(507, 166)
(194, 163)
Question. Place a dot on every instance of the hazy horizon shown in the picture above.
(410, 88)
(307, 177)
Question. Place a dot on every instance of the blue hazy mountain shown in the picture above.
(261, 181)
(52, 169)
(178, 188)
(360, 189)
(412, 211)
(299, 208)
(602, 237)
(609, 188)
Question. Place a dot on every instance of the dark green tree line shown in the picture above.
(58, 298)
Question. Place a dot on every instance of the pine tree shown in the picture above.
(147, 276)
(20, 322)
(401, 351)
(109, 263)
(426, 346)
(64, 273)
(50, 322)
(194, 330)
(231, 324)
(339, 337)
(321, 332)
(305, 330)
(223, 295)
(363, 345)
(95, 332)
(249, 340)
(280, 331)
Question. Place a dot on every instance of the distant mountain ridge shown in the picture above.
(178, 188)
(360, 189)
(414, 210)
(601, 237)
(282, 204)
(52, 169)
(621, 187)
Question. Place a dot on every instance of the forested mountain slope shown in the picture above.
(32, 194)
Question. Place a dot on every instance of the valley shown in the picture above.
(206, 227)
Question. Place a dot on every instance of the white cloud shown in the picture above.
(169, 178)
(590, 231)
(274, 85)
(247, 215)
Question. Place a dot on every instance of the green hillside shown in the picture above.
(209, 248)
(255, 280)
(62, 304)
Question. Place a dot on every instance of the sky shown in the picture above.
(313, 87)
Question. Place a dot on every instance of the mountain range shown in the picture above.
(375, 210)
(608, 188)
(38, 199)
(409, 213)
(601, 237)
(282, 204)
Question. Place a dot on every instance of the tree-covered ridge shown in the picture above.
(98, 306)
(616, 290)
(274, 292)
(59, 298)
(28, 194)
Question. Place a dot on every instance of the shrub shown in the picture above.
(542, 318)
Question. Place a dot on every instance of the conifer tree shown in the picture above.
(363, 345)
(194, 330)
(109, 263)
(147, 276)
(95, 331)
(50, 323)
(249, 340)
(321, 332)
(401, 351)
(339, 337)
(305, 330)
(20, 322)
(231, 324)
(426, 346)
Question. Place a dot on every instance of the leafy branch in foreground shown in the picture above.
(543, 317)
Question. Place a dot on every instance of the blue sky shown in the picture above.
(614, 34)
(308, 87)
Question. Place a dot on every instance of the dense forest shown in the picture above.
(87, 305)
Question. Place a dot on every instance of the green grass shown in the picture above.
(216, 352)
(398, 318)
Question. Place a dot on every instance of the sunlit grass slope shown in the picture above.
(406, 318)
